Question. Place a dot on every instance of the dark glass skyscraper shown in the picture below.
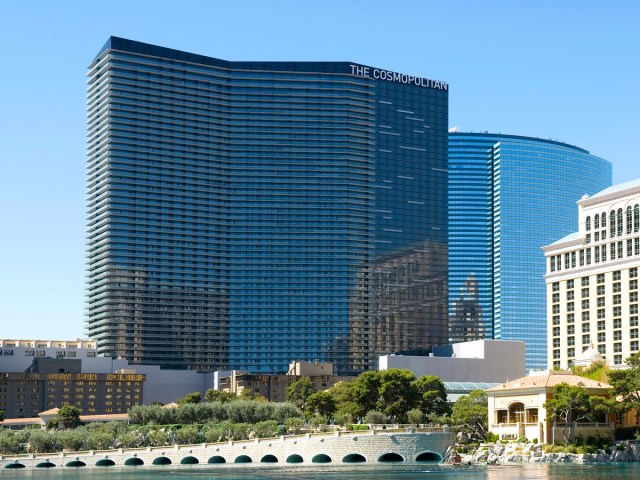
(246, 214)
(508, 196)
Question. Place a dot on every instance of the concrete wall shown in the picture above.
(491, 361)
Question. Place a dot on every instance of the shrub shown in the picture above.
(534, 441)
(375, 417)
(621, 447)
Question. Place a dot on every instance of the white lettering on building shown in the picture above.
(376, 73)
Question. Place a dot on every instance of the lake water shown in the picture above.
(375, 472)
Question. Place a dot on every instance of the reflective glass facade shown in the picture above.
(509, 196)
(247, 214)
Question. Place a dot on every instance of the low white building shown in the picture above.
(490, 361)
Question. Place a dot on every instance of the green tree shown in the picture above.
(2, 413)
(266, 429)
(626, 384)
(365, 392)
(415, 416)
(213, 395)
(397, 394)
(320, 403)
(375, 417)
(294, 425)
(569, 404)
(471, 413)
(342, 394)
(299, 391)
(193, 397)
(69, 416)
(432, 396)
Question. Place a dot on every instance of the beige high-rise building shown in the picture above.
(592, 280)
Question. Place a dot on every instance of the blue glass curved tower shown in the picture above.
(508, 196)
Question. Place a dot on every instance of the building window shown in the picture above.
(633, 296)
(619, 223)
(601, 313)
(570, 283)
(586, 339)
(585, 304)
(571, 341)
(617, 359)
(571, 330)
(556, 331)
(571, 318)
(585, 293)
(597, 254)
(633, 321)
(566, 261)
(585, 316)
(617, 335)
(556, 354)
(570, 308)
(617, 287)
(588, 256)
(555, 298)
(596, 237)
(585, 281)
(600, 289)
(603, 219)
(629, 248)
(633, 272)
(571, 352)
(603, 250)
(636, 246)
(636, 218)
(570, 294)
(555, 286)
(633, 284)
(599, 280)
(552, 263)
(629, 220)
(620, 249)
(556, 309)
(633, 309)
(588, 238)
(612, 224)
(588, 223)
(596, 221)
(617, 299)
(613, 250)
(617, 275)
(633, 333)
(617, 311)
(556, 343)
(585, 328)
(634, 346)
(602, 337)
(556, 319)
(617, 347)
(601, 325)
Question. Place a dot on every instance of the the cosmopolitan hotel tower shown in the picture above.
(508, 196)
(247, 214)
(592, 280)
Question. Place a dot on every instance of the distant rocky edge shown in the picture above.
(501, 453)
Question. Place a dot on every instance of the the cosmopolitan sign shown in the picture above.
(378, 74)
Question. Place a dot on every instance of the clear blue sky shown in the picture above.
(566, 70)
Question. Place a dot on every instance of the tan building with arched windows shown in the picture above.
(516, 408)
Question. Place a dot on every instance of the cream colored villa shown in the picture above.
(516, 408)
(592, 280)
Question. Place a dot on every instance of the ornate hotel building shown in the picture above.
(592, 280)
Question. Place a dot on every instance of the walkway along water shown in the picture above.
(369, 446)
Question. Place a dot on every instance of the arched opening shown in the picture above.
(391, 457)
(105, 462)
(46, 464)
(14, 465)
(516, 412)
(162, 461)
(295, 458)
(134, 462)
(321, 458)
(189, 461)
(217, 459)
(354, 458)
(428, 457)
(243, 459)
(269, 459)
(76, 463)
